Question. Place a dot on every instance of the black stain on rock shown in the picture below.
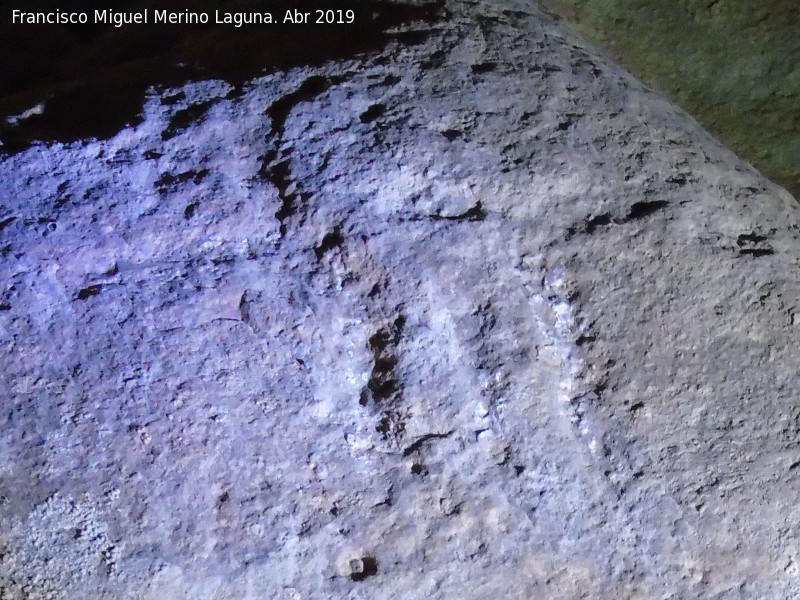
(89, 81)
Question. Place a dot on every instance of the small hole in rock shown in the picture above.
(361, 568)
(372, 113)
(331, 240)
(640, 210)
(598, 221)
(88, 292)
(485, 67)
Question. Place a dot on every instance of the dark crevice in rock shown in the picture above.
(486, 67)
(168, 182)
(476, 213)
(599, 221)
(641, 210)
(61, 201)
(185, 117)
(757, 252)
(280, 109)
(636, 407)
(332, 239)
(568, 121)
(637, 211)
(423, 440)
(173, 98)
(754, 244)
(276, 164)
(412, 37)
(279, 175)
(244, 309)
(679, 179)
(190, 210)
(436, 59)
(419, 469)
(383, 387)
(88, 292)
(372, 113)
(452, 134)
(546, 68)
(91, 80)
(749, 238)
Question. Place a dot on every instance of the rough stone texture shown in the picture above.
(733, 64)
(474, 315)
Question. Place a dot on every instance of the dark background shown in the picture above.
(94, 78)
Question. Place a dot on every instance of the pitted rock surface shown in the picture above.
(471, 315)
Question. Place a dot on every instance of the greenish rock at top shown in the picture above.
(733, 64)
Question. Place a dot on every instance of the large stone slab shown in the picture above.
(470, 315)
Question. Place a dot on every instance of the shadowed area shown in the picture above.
(90, 80)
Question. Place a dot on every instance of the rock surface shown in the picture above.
(732, 64)
(471, 315)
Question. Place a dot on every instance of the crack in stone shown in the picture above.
(276, 163)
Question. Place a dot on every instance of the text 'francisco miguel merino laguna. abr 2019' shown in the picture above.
(186, 17)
